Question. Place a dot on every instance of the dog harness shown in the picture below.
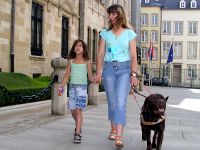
(150, 122)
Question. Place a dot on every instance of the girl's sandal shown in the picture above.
(112, 134)
(118, 142)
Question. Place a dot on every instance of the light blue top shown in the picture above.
(117, 47)
(78, 74)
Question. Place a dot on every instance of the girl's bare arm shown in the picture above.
(67, 74)
(89, 68)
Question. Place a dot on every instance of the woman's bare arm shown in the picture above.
(100, 57)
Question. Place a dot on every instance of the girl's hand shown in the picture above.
(60, 91)
(92, 79)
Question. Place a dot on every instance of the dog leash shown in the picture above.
(133, 88)
(137, 92)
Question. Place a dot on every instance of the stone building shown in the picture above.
(92, 21)
(93, 18)
(177, 29)
(32, 33)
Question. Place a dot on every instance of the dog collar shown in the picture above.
(150, 122)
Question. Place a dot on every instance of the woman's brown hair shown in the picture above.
(72, 54)
(121, 19)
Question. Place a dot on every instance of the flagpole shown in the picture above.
(170, 61)
(149, 59)
(149, 69)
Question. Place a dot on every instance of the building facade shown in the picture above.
(150, 35)
(32, 33)
(179, 29)
(92, 21)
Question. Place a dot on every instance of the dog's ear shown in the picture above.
(166, 98)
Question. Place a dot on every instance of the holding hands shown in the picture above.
(97, 79)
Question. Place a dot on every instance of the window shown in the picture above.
(192, 28)
(36, 75)
(177, 47)
(182, 4)
(192, 50)
(144, 36)
(64, 47)
(193, 4)
(154, 36)
(89, 42)
(178, 28)
(36, 29)
(144, 69)
(165, 49)
(144, 53)
(154, 20)
(144, 20)
(166, 27)
(166, 71)
(94, 45)
(155, 53)
(192, 72)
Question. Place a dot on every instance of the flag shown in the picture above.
(150, 52)
(170, 56)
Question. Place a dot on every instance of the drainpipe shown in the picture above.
(81, 19)
(12, 35)
(161, 8)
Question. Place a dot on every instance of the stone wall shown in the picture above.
(53, 10)
(5, 17)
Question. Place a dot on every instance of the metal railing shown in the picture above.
(177, 77)
(17, 96)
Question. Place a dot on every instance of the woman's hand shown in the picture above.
(134, 81)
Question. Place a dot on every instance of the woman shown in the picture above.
(117, 64)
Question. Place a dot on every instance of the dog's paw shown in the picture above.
(144, 138)
(149, 147)
(154, 145)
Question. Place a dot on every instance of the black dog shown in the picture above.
(152, 117)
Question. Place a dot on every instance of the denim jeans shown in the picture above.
(116, 81)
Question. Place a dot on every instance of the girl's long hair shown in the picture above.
(121, 19)
(72, 54)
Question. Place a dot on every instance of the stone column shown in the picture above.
(93, 90)
(58, 104)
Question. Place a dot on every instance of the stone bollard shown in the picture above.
(58, 103)
(93, 91)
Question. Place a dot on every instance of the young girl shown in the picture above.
(78, 67)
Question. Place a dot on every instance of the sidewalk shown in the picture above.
(56, 132)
